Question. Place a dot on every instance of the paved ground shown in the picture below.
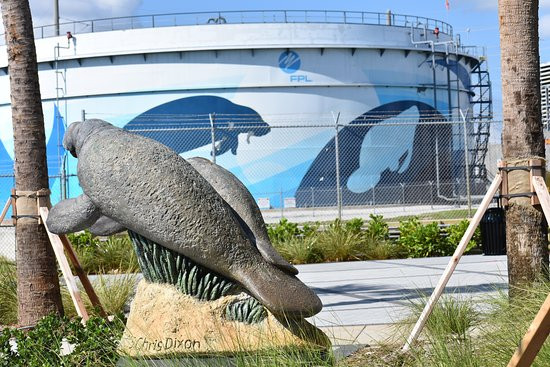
(363, 299)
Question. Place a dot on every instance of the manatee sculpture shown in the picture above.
(237, 196)
(144, 186)
(232, 190)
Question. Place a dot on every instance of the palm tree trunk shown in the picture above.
(522, 136)
(37, 280)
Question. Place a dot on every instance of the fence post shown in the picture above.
(431, 194)
(467, 166)
(312, 197)
(402, 195)
(282, 203)
(337, 153)
(213, 136)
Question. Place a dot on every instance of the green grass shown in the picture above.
(114, 255)
(113, 292)
(8, 292)
(436, 216)
(457, 334)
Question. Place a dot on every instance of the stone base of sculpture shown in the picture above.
(163, 322)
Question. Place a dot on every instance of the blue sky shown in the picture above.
(475, 20)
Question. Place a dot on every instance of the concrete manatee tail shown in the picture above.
(184, 124)
(233, 191)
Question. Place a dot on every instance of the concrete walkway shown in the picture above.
(363, 299)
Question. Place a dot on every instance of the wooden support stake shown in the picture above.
(82, 275)
(5, 210)
(536, 171)
(536, 334)
(453, 263)
(542, 193)
(57, 246)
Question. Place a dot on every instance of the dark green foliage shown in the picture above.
(354, 225)
(423, 240)
(287, 231)
(95, 344)
(377, 228)
(249, 311)
(455, 233)
(116, 254)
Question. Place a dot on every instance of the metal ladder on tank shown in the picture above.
(482, 105)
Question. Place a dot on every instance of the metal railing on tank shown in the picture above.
(240, 17)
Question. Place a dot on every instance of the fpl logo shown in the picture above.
(289, 62)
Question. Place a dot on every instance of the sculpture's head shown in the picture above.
(79, 131)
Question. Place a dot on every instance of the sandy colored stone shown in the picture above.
(163, 321)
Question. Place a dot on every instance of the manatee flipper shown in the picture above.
(106, 226)
(233, 191)
(72, 215)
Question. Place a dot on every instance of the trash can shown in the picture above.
(493, 232)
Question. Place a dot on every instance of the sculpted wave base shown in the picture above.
(163, 322)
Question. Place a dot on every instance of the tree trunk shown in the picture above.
(37, 280)
(522, 136)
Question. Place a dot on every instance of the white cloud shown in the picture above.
(544, 26)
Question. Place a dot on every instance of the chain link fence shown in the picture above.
(319, 168)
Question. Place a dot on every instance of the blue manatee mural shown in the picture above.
(184, 124)
(458, 69)
(54, 158)
(380, 158)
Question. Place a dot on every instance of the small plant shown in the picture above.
(354, 225)
(455, 233)
(377, 228)
(423, 240)
(341, 243)
(113, 292)
(110, 256)
(94, 344)
(301, 250)
(286, 231)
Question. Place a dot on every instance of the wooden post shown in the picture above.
(536, 335)
(5, 210)
(452, 263)
(57, 246)
(82, 275)
(536, 171)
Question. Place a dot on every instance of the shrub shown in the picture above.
(423, 240)
(354, 225)
(301, 250)
(113, 255)
(286, 231)
(377, 228)
(95, 344)
(455, 233)
(341, 243)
